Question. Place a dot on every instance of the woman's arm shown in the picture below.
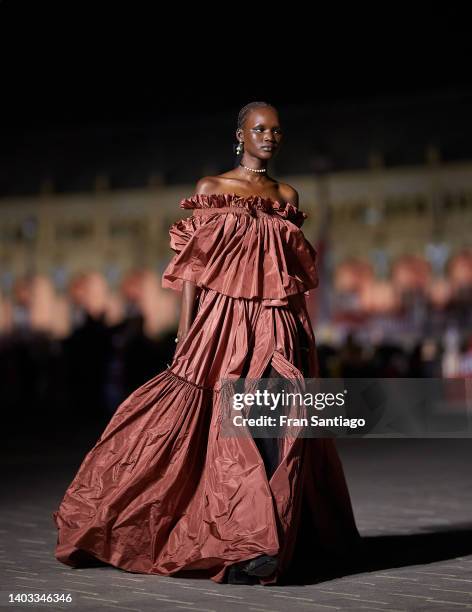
(187, 309)
(204, 185)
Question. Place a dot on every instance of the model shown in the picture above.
(162, 492)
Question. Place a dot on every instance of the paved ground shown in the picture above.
(412, 500)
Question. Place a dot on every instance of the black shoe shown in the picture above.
(247, 572)
(261, 566)
(237, 576)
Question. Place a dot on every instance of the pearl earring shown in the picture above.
(240, 146)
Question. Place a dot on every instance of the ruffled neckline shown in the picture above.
(286, 210)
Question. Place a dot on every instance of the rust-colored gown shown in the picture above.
(162, 491)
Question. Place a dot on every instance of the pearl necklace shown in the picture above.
(253, 169)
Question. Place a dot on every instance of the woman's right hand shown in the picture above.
(181, 333)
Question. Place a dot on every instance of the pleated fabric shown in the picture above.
(163, 491)
(244, 247)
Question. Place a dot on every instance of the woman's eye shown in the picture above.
(259, 129)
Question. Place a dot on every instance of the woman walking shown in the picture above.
(162, 491)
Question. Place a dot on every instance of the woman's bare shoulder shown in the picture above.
(288, 193)
(208, 185)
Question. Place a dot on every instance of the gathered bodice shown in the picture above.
(253, 204)
(243, 246)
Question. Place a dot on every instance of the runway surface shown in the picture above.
(412, 500)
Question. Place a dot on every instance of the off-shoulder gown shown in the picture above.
(162, 492)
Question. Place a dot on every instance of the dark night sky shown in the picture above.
(73, 64)
(115, 88)
(86, 93)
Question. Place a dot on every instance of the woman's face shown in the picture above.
(261, 133)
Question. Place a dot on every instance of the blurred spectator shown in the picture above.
(80, 352)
